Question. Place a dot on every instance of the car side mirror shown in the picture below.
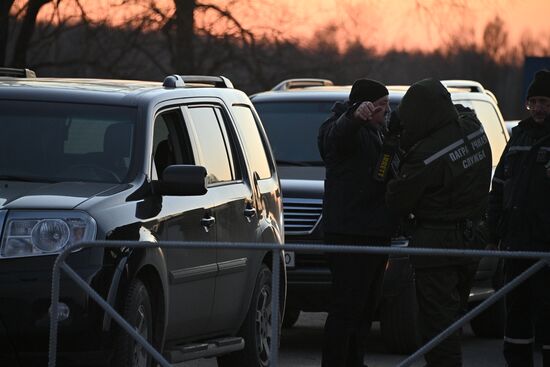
(181, 180)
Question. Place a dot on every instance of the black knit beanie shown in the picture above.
(367, 90)
(540, 86)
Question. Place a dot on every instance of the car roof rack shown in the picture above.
(19, 73)
(301, 83)
(492, 95)
(179, 81)
(470, 86)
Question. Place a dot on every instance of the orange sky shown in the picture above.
(410, 24)
(401, 24)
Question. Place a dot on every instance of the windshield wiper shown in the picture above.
(26, 178)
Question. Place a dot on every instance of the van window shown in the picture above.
(253, 142)
(171, 143)
(215, 151)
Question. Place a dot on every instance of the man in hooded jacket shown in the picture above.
(519, 218)
(354, 213)
(443, 182)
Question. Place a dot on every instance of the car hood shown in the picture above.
(39, 195)
(302, 182)
(301, 173)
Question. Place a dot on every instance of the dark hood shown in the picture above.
(425, 107)
(62, 195)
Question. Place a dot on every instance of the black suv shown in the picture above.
(182, 160)
(292, 113)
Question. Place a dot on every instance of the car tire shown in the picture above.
(256, 329)
(399, 319)
(491, 322)
(137, 311)
(290, 318)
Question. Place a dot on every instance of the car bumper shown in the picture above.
(309, 280)
(25, 299)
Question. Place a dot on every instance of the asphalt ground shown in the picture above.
(301, 347)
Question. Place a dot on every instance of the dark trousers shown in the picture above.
(442, 294)
(356, 288)
(527, 312)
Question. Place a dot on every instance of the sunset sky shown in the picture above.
(382, 24)
(404, 24)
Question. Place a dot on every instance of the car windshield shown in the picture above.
(56, 142)
(292, 129)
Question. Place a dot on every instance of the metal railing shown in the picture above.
(542, 257)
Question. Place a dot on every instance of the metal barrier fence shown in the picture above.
(543, 260)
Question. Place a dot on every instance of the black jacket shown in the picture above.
(445, 175)
(519, 206)
(353, 200)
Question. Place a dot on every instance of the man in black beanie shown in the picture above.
(519, 219)
(354, 213)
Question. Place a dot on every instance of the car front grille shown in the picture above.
(301, 215)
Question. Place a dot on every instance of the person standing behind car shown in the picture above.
(443, 182)
(519, 218)
(354, 213)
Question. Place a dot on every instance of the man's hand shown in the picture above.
(365, 111)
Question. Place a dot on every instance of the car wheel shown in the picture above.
(491, 322)
(138, 312)
(290, 318)
(398, 318)
(256, 329)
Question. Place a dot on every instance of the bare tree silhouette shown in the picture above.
(26, 30)
(199, 37)
(495, 39)
(5, 7)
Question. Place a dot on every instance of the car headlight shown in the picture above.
(32, 233)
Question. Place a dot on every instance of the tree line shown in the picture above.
(158, 43)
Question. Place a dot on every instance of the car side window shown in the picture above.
(171, 143)
(214, 144)
(255, 146)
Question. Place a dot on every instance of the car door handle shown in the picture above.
(249, 212)
(207, 222)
